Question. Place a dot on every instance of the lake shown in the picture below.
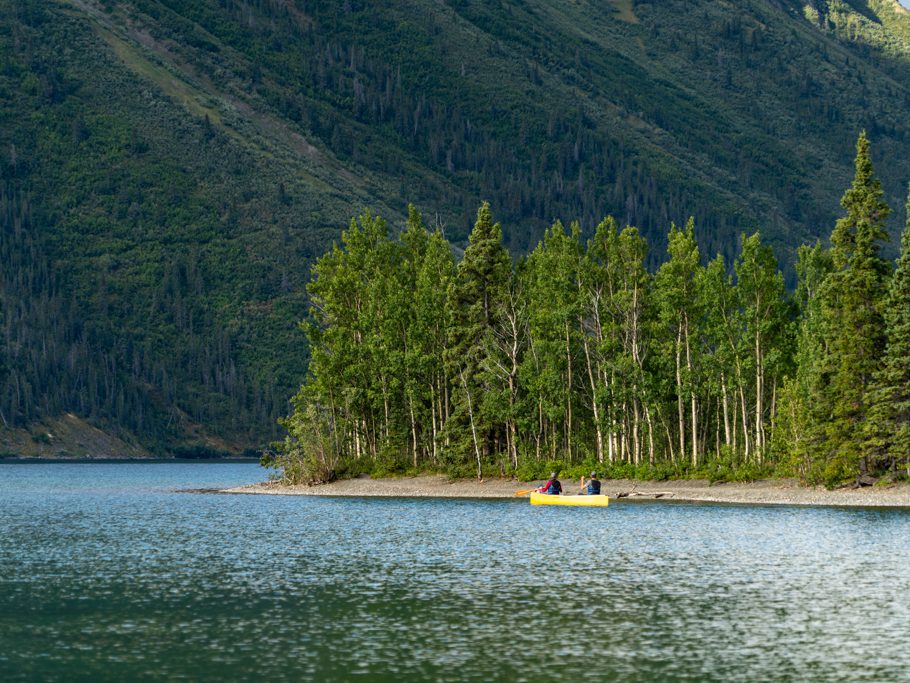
(107, 572)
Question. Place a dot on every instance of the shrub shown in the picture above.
(307, 455)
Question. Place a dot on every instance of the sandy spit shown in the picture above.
(765, 492)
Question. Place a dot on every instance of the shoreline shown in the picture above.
(762, 492)
(81, 460)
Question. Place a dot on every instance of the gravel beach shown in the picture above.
(765, 492)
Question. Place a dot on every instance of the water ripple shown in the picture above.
(107, 574)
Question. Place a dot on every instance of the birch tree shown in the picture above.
(677, 296)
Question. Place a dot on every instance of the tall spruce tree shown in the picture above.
(888, 433)
(482, 282)
(853, 321)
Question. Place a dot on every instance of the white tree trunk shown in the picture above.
(680, 412)
(467, 392)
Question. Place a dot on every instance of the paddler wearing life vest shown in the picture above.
(593, 485)
(552, 487)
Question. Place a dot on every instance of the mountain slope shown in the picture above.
(170, 168)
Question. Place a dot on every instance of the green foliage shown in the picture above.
(676, 287)
(557, 363)
(532, 470)
(801, 416)
(576, 359)
(851, 329)
(483, 279)
(140, 274)
(887, 431)
(728, 468)
(307, 454)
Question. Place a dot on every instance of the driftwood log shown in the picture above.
(644, 494)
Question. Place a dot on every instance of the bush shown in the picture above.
(307, 455)
(455, 470)
(390, 462)
(725, 468)
(529, 470)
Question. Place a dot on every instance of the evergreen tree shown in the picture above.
(853, 322)
(482, 282)
(888, 433)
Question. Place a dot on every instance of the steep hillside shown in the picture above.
(170, 168)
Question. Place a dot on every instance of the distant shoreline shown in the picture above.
(41, 460)
(764, 492)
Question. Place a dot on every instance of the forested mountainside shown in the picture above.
(170, 169)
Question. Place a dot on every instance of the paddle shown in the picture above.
(522, 492)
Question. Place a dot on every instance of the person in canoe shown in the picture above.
(552, 487)
(593, 485)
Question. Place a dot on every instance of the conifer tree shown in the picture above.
(482, 282)
(853, 322)
(888, 433)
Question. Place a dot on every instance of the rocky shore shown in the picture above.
(765, 492)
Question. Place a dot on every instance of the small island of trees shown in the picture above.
(577, 357)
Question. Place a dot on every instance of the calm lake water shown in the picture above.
(108, 573)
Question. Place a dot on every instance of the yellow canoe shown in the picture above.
(544, 499)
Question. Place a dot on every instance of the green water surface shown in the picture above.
(107, 573)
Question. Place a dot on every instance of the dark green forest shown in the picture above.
(171, 169)
(579, 357)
